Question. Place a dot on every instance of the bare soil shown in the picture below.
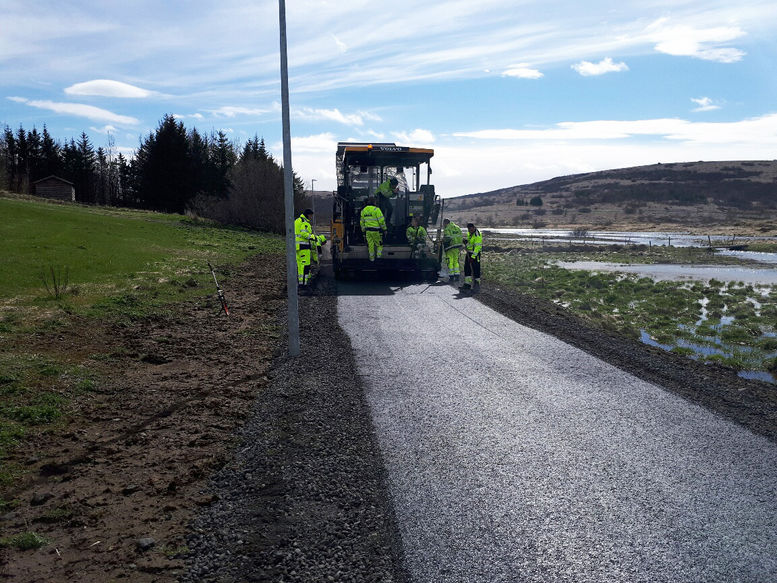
(133, 459)
(245, 466)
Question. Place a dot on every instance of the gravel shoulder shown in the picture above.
(304, 498)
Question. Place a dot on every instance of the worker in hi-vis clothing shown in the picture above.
(373, 226)
(452, 242)
(472, 262)
(416, 237)
(385, 192)
(303, 231)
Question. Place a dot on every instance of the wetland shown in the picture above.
(699, 301)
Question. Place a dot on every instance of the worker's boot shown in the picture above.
(476, 287)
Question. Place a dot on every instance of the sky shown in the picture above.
(506, 92)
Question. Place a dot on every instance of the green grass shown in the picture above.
(24, 541)
(110, 265)
(109, 250)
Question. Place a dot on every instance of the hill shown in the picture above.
(698, 196)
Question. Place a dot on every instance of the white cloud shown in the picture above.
(79, 110)
(701, 43)
(704, 104)
(352, 119)
(107, 129)
(417, 137)
(514, 157)
(188, 116)
(235, 111)
(341, 46)
(606, 65)
(522, 71)
(107, 88)
(325, 142)
(757, 130)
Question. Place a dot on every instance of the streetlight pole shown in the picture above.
(288, 190)
(313, 200)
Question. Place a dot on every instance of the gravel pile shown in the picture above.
(304, 498)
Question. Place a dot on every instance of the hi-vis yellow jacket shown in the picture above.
(372, 219)
(303, 232)
(452, 237)
(474, 244)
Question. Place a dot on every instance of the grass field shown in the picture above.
(102, 247)
(102, 265)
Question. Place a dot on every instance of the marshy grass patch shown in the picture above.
(728, 323)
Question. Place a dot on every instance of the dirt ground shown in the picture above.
(136, 461)
(133, 460)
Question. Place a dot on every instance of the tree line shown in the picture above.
(173, 170)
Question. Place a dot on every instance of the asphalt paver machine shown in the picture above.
(361, 168)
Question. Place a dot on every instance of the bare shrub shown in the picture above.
(56, 280)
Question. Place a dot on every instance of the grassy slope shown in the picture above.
(122, 265)
(109, 246)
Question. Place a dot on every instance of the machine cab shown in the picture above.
(362, 168)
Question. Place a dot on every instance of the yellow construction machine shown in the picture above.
(361, 168)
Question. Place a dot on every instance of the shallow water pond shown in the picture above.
(679, 272)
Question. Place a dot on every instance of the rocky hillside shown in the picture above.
(690, 195)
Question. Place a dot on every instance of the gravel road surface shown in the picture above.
(512, 456)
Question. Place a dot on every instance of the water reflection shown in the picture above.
(658, 238)
(700, 351)
(680, 272)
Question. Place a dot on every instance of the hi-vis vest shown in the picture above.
(415, 234)
(452, 236)
(303, 232)
(385, 189)
(372, 219)
(475, 243)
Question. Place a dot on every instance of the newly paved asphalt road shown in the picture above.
(512, 456)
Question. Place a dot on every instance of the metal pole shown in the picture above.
(288, 189)
(313, 201)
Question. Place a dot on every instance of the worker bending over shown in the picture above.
(373, 226)
(303, 231)
(472, 262)
(452, 243)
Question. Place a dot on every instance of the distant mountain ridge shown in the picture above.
(719, 192)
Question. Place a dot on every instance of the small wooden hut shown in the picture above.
(56, 188)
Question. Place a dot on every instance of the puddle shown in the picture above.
(759, 256)
(635, 238)
(757, 375)
(701, 350)
(680, 272)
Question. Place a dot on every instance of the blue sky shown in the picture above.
(506, 92)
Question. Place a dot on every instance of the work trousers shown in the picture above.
(303, 266)
(374, 244)
(452, 259)
(471, 269)
(387, 208)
